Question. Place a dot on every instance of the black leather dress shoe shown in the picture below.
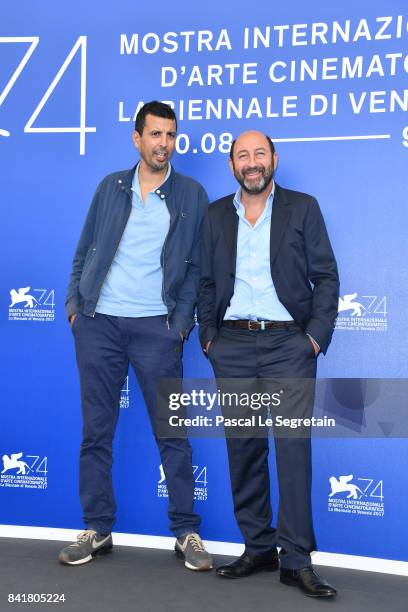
(249, 564)
(308, 581)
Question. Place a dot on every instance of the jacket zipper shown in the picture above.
(113, 259)
(104, 278)
(163, 283)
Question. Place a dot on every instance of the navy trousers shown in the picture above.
(105, 345)
(275, 353)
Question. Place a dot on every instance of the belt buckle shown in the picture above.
(261, 323)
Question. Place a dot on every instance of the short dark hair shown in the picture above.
(271, 146)
(158, 109)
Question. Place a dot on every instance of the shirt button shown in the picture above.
(158, 191)
(162, 197)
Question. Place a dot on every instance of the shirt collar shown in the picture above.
(136, 184)
(268, 205)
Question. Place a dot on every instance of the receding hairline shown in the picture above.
(235, 142)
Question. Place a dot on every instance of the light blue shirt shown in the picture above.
(133, 286)
(254, 292)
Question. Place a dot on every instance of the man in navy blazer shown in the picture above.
(267, 305)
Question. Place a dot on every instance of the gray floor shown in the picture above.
(137, 579)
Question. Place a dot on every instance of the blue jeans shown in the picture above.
(105, 345)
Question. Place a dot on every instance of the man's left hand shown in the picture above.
(315, 346)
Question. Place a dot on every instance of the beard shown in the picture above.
(154, 164)
(258, 184)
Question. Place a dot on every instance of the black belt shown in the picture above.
(256, 325)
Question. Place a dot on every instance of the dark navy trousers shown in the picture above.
(105, 345)
(275, 353)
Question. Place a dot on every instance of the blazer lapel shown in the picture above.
(230, 221)
(279, 221)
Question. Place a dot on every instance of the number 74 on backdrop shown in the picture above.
(79, 47)
(82, 129)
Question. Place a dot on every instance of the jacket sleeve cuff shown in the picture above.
(184, 323)
(206, 335)
(319, 333)
(71, 307)
(316, 343)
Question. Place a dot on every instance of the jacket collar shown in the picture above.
(126, 180)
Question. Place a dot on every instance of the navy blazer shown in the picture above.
(303, 267)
